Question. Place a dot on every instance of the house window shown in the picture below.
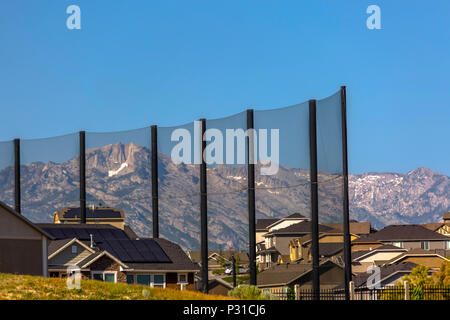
(425, 245)
(143, 279)
(130, 278)
(104, 276)
(398, 244)
(74, 249)
(447, 245)
(158, 280)
(182, 278)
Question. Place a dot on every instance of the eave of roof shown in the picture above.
(28, 222)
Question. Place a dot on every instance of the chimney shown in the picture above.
(92, 241)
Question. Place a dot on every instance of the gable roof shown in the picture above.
(303, 227)
(386, 272)
(406, 233)
(100, 232)
(294, 216)
(56, 246)
(432, 226)
(179, 259)
(25, 220)
(283, 274)
(262, 224)
(97, 255)
(358, 228)
(358, 255)
(416, 253)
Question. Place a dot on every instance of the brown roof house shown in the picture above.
(440, 227)
(276, 242)
(409, 237)
(429, 258)
(266, 225)
(389, 275)
(106, 253)
(286, 276)
(23, 245)
(365, 259)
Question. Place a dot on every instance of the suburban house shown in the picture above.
(283, 277)
(216, 259)
(389, 275)
(429, 258)
(94, 215)
(276, 242)
(364, 259)
(409, 237)
(23, 245)
(106, 253)
(330, 245)
(264, 226)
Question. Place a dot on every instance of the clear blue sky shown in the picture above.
(137, 63)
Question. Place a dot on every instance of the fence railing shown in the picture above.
(383, 293)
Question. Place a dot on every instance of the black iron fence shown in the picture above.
(384, 293)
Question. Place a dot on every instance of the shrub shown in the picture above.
(248, 292)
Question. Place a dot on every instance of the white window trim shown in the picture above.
(103, 274)
(182, 282)
(159, 284)
(152, 279)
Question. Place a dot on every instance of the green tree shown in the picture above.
(419, 277)
(248, 292)
(442, 277)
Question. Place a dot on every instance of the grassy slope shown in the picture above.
(18, 287)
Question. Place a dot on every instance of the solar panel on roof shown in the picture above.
(145, 251)
(56, 233)
(135, 250)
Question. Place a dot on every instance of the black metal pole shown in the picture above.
(203, 212)
(251, 197)
(233, 270)
(17, 199)
(82, 177)
(347, 241)
(314, 199)
(155, 181)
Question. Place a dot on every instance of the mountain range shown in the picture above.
(119, 175)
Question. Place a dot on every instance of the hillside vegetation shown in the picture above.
(19, 287)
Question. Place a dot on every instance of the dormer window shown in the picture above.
(74, 249)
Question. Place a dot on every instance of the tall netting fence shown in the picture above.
(179, 156)
(7, 172)
(50, 178)
(282, 181)
(330, 188)
(226, 159)
(118, 175)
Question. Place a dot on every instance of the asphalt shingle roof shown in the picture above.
(360, 280)
(405, 233)
(299, 228)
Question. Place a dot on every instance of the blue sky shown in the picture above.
(137, 63)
